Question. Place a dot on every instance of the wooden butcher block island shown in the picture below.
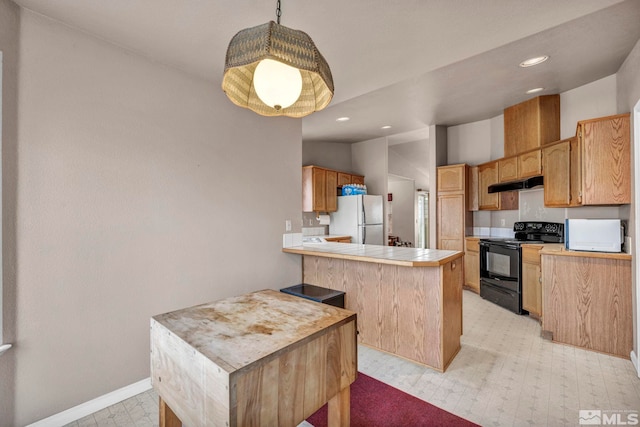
(260, 359)
(408, 300)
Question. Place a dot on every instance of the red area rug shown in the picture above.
(376, 404)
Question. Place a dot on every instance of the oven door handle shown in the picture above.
(500, 245)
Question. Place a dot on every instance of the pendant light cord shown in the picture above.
(278, 12)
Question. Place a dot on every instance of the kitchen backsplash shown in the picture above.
(493, 231)
(314, 231)
(310, 220)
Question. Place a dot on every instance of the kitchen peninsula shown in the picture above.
(408, 300)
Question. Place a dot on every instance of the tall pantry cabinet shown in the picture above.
(453, 214)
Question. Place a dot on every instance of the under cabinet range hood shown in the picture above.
(516, 185)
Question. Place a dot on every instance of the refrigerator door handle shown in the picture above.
(364, 215)
(364, 235)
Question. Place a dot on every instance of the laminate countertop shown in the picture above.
(403, 256)
(560, 250)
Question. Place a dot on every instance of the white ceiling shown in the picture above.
(408, 63)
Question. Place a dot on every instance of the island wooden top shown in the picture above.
(407, 257)
(237, 332)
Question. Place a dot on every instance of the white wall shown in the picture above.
(411, 160)
(139, 190)
(370, 158)
(9, 32)
(596, 99)
(403, 208)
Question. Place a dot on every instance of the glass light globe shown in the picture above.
(278, 85)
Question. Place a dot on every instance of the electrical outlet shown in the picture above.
(502, 222)
(287, 225)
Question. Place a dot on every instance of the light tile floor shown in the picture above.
(504, 375)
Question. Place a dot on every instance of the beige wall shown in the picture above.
(9, 30)
(332, 155)
(628, 89)
(140, 190)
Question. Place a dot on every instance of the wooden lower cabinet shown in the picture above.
(472, 264)
(587, 300)
(341, 239)
(412, 312)
(531, 280)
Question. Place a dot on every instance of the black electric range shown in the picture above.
(501, 262)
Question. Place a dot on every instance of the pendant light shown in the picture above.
(276, 71)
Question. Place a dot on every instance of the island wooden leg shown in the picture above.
(167, 417)
(339, 410)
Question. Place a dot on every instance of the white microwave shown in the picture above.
(596, 235)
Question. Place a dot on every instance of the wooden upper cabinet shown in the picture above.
(508, 169)
(331, 195)
(594, 168)
(320, 188)
(531, 124)
(452, 178)
(487, 175)
(357, 179)
(472, 190)
(344, 179)
(557, 173)
(530, 164)
(606, 160)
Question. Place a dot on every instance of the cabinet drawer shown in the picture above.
(531, 254)
(473, 245)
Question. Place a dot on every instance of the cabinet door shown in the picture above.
(531, 288)
(508, 169)
(531, 280)
(606, 162)
(450, 220)
(331, 181)
(344, 178)
(530, 164)
(451, 178)
(472, 189)
(556, 161)
(488, 175)
(531, 124)
(357, 179)
(472, 263)
(319, 190)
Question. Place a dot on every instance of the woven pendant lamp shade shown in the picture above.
(291, 47)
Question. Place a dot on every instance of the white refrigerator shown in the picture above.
(360, 217)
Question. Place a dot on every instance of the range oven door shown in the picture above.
(500, 267)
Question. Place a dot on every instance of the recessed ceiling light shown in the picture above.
(386, 127)
(534, 61)
(538, 89)
(342, 119)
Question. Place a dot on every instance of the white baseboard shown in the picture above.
(95, 405)
(634, 360)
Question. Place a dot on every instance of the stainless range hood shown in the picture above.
(516, 185)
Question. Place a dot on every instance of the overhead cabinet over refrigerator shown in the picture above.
(359, 217)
